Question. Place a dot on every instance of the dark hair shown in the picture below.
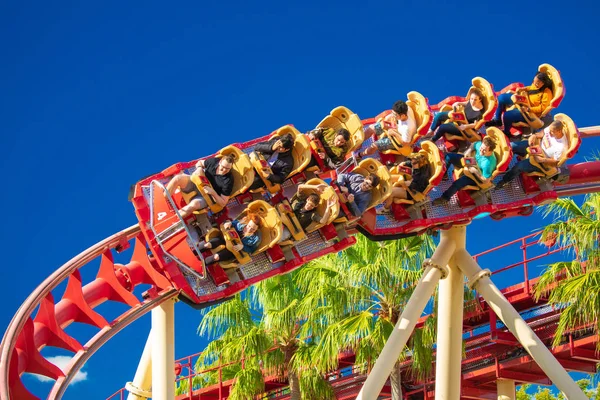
(287, 141)
(489, 142)
(374, 179)
(230, 158)
(478, 93)
(344, 132)
(314, 198)
(400, 107)
(545, 78)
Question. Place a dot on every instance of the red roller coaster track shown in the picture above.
(27, 335)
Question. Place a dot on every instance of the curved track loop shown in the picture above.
(26, 337)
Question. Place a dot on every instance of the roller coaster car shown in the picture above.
(422, 113)
(574, 141)
(301, 154)
(437, 169)
(243, 176)
(558, 93)
(270, 230)
(490, 103)
(503, 154)
(378, 194)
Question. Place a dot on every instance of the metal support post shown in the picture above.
(480, 280)
(506, 389)
(450, 327)
(435, 268)
(163, 351)
(141, 387)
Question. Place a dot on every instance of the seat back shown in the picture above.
(572, 136)
(503, 151)
(301, 151)
(558, 87)
(342, 117)
(437, 166)
(420, 107)
(490, 101)
(380, 193)
(242, 171)
(271, 227)
(322, 207)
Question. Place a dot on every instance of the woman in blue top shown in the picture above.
(247, 228)
(483, 152)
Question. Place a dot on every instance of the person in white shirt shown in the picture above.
(400, 126)
(552, 144)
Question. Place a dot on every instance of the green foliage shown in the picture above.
(578, 292)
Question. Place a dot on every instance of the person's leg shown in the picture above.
(456, 186)
(258, 182)
(511, 117)
(438, 120)
(223, 255)
(504, 101)
(520, 148)
(196, 204)
(521, 166)
(446, 128)
(179, 180)
(397, 193)
(454, 159)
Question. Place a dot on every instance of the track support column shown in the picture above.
(163, 351)
(506, 389)
(450, 327)
(480, 279)
(435, 268)
(141, 387)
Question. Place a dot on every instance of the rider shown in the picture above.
(248, 231)
(335, 142)
(278, 152)
(218, 173)
(483, 153)
(553, 143)
(358, 190)
(473, 109)
(418, 182)
(539, 95)
(402, 127)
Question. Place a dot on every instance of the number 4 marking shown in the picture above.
(161, 215)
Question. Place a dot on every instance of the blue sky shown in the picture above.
(98, 95)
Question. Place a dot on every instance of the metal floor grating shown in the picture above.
(259, 265)
(313, 243)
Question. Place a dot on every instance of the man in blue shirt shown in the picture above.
(483, 152)
(357, 189)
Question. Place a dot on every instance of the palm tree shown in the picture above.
(264, 328)
(361, 293)
(578, 293)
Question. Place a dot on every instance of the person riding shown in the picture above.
(278, 153)
(217, 171)
(539, 94)
(335, 143)
(473, 109)
(400, 126)
(552, 143)
(247, 229)
(483, 152)
(357, 189)
(305, 206)
(418, 182)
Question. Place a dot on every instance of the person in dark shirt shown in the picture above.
(278, 154)
(305, 206)
(217, 171)
(421, 173)
(357, 189)
(336, 143)
(473, 109)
